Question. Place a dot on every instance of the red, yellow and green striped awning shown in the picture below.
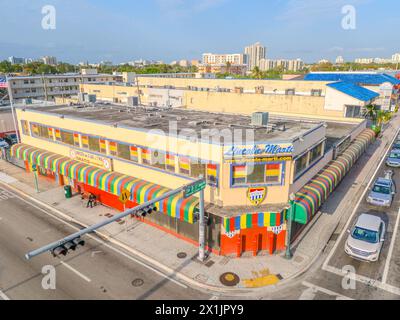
(112, 182)
(310, 198)
(256, 219)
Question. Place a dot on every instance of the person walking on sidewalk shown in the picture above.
(91, 200)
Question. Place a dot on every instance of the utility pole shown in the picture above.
(45, 87)
(289, 223)
(138, 90)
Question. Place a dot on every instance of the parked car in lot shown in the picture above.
(11, 138)
(366, 238)
(396, 145)
(3, 143)
(394, 158)
(383, 191)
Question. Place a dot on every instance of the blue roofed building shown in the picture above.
(383, 84)
(349, 98)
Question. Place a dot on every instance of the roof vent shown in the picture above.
(260, 118)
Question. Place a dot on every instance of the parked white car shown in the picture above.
(366, 238)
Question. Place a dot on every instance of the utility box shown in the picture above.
(68, 192)
(260, 118)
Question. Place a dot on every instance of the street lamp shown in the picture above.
(290, 216)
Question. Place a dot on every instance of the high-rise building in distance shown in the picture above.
(255, 53)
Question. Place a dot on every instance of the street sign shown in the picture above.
(125, 196)
(194, 188)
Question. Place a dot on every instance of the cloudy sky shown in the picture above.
(125, 30)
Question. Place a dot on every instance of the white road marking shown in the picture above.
(6, 178)
(308, 294)
(329, 257)
(75, 271)
(106, 244)
(324, 290)
(3, 296)
(365, 280)
(389, 257)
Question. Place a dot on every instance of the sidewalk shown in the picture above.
(161, 249)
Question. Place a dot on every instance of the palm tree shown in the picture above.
(257, 73)
(371, 112)
(383, 117)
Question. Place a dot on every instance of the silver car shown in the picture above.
(383, 191)
(394, 158)
(366, 238)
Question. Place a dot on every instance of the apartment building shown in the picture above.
(218, 59)
(48, 87)
(287, 65)
(237, 69)
(255, 53)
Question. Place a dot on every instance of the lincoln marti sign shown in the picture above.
(258, 150)
(91, 159)
(256, 196)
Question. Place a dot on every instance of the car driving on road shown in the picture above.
(366, 238)
(11, 138)
(383, 191)
(394, 158)
(3, 143)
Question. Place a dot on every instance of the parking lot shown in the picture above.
(384, 273)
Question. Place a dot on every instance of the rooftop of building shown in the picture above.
(362, 78)
(354, 90)
(280, 129)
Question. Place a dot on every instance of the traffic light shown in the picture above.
(149, 210)
(70, 245)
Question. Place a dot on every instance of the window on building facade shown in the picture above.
(301, 164)
(134, 153)
(103, 146)
(58, 134)
(124, 151)
(85, 141)
(316, 92)
(316, 152)
(76, 140)
(256, 173)
(197, 170)
(94, 144)
(170, 162)
(67, 137)
(184, 165)
(25, 127)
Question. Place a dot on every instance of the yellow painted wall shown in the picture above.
(247, 103)
(246, 84)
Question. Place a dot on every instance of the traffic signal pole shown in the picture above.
(202, 228)
(99, 225)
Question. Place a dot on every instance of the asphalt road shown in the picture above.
(371, 281)
(95, 271)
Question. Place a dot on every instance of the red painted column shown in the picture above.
(239, 246)
(271, 243)
(255, 245)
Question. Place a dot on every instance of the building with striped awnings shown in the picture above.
(105, 149)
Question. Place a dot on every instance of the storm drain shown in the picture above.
(137, 282)
(229, 279)
(209, 264)
(182, 255)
